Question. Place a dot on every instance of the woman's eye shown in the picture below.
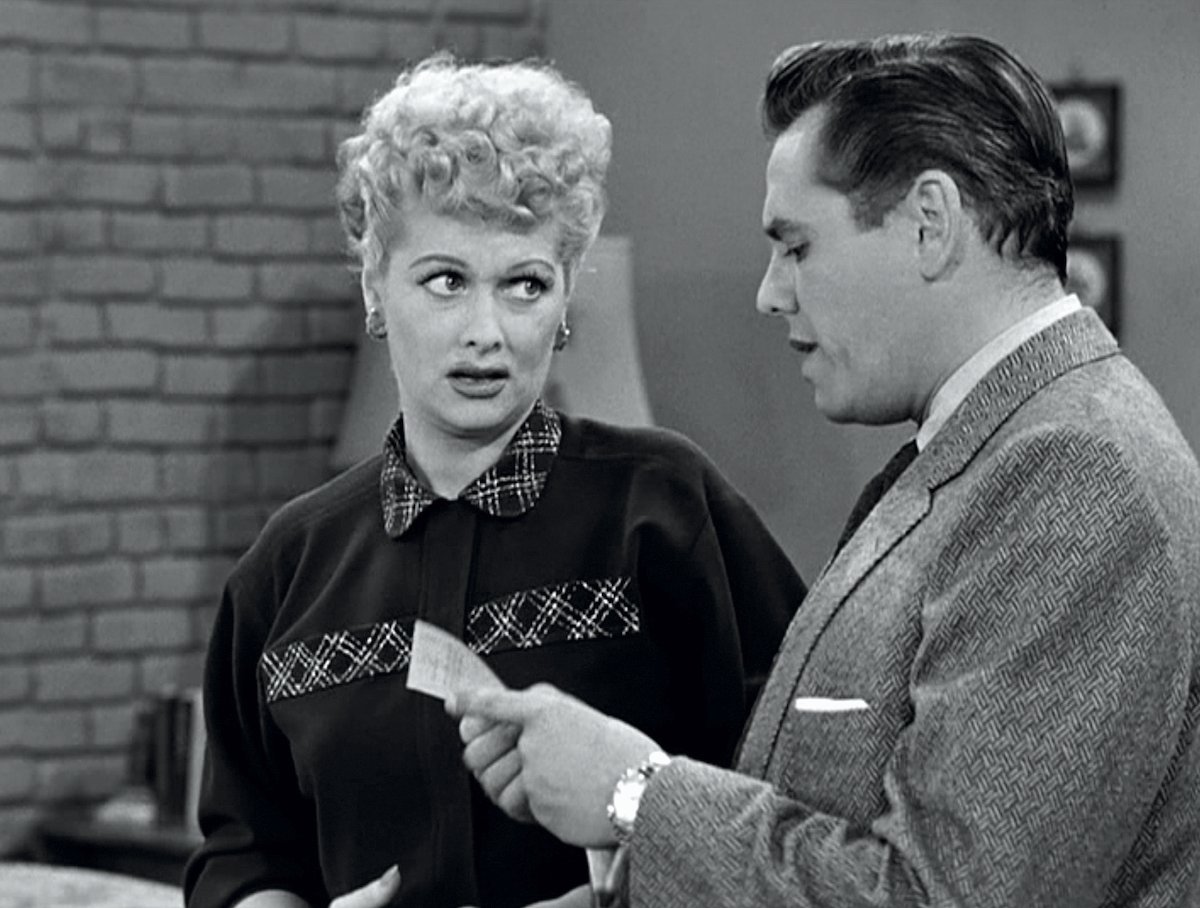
(528, 288)
(444, 283)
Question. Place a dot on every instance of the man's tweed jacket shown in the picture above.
(1021, 615)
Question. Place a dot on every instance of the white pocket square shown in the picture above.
(829, 705)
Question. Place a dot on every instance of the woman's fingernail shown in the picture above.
(393, 874)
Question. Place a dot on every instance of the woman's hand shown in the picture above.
(376, 894)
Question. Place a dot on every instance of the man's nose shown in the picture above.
(776, 295)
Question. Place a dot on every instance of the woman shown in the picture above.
(616, 564)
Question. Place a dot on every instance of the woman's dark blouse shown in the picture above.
(616, 564)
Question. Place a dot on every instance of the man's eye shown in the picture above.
(799, 251)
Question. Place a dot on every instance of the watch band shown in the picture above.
(627, 794)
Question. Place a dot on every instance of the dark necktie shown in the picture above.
(875, 489)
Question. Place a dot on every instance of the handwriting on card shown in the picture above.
(442, 664)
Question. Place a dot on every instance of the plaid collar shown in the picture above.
(507, 489)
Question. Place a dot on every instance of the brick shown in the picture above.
(23, 279)
(106, 370)
(277, 139)
(107, 132)
(263, 423)
(73, 323)
(159, 325)
(204, 279)
(92, 476)
(25, 181)
(140, 629)
(16, 327)
(208, 186)
(326, 237)
(152, 422)
(171, 671)
(286, 473)
(118, 183)
(258, 328)
(307, 283)
(16, 131)
(16, 681)
(487, 9)
(339, 37)
(149, 29)
(153, 232)
(209, 476)
(187, 528)
(18, 425)
(159, 135)
(24, 375)
(305, 374)
(57, 535)
(72, 421)
(341, 326)
(298, 189)
(513, 42)
(258, 234)
(396, 8)
(254, 86)
(180, 578)
(79, 777)
(16, 588)
(409, 42)
(44, 730)
(246, 34)
(358, 86)
(139, 531)
(238, 526)
(87, 583)
(59, 634)
(325, 418)
(45, 23)
(210, 376)
(87, 79)
(82, 678)
(111, 726)
(462, 37)
(17, 825)
(62, 131)
(17, 778)
(77, 229)
(16, 635)
(16, 74)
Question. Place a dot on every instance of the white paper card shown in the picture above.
(442, 664)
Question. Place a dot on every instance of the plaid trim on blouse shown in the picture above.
(507, 489)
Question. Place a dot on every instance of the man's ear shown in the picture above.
(936, 206)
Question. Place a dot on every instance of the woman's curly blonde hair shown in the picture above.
(514, 144)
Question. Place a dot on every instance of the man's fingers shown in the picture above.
(376, 894)
(483, 750)
(499, 773)
(471, 727)
(497, 704)
(514, 801)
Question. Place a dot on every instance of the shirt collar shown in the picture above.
(508, 488)
(960, 383)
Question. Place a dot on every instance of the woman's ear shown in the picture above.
(935, 203)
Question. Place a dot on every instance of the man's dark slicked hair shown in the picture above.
(901, 104)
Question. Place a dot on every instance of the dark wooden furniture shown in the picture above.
(148, 851)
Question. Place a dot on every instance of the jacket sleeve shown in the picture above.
(1048, 691)
(258, 831)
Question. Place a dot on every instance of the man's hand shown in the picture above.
(543, 753)
(376, 894)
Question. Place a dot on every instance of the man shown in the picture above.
(991, 695)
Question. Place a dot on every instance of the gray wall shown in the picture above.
(680, 81)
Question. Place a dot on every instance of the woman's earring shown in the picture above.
(376, 326)
(562, 335)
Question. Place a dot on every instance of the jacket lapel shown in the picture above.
(1068, 343)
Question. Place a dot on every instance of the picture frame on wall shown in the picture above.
(1094, 275)
(1090, 117)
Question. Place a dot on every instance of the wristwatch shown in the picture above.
(627, 794)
